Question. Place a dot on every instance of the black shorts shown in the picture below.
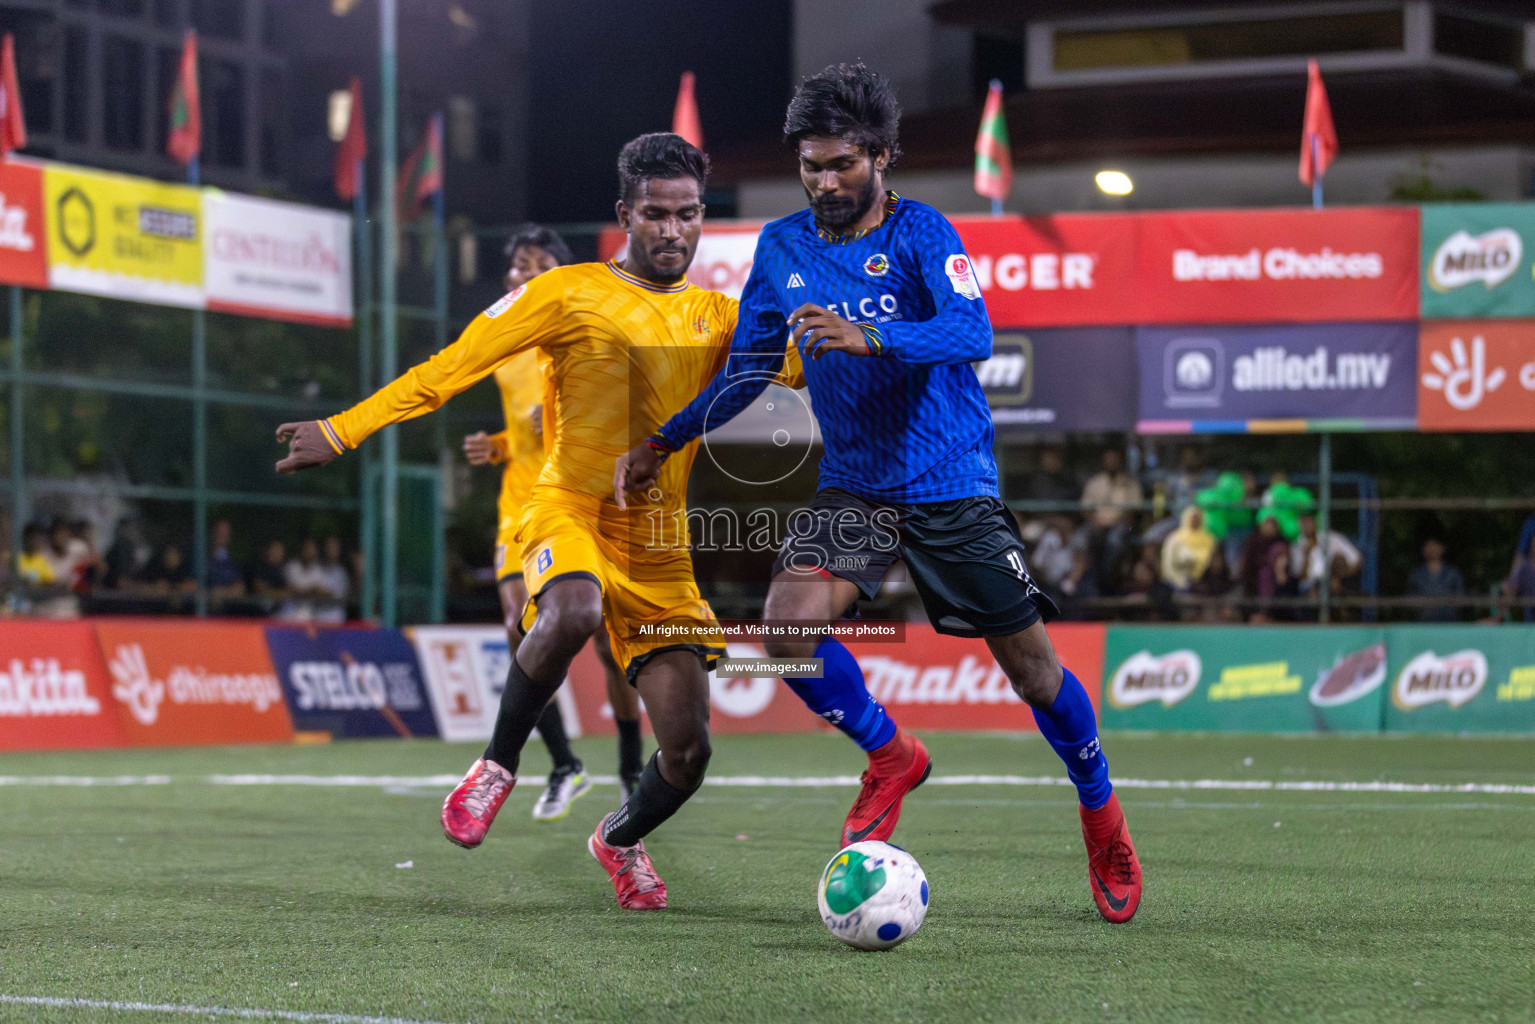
(965, 557)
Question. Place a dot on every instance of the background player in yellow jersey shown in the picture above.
(522, 380)
(629, 344)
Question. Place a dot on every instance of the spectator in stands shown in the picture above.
(67, 553)
(1144, 588)
(1215, 583)
(1109, 500)
(1055, 561)
(168, 576)
(1189, 478)
(337, 586)
(1521, 583)
(266, 575)
(225, 577)
(1318, 560)
(1187, 551)
(1522, 547)
(305, 580)
(89, 569)
(33, 566)
(126, 557)
(1265, 566)
(1436, 578)
(1051, 481)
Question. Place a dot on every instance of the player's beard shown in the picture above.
(836, 215)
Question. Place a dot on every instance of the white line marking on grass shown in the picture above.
(205, 1011)
(800, 782)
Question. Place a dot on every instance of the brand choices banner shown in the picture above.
(277, 260)
(1478, 260)
(351, 682)
(1476, 375)
(1208, 377)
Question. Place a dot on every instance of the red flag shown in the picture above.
(422, 173)
(353, 147)
(993, 152)
(1315, 158)
(685, 120)
(13, 126)
(186, 136)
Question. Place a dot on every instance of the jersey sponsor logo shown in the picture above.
(1145, 677)
(877, 265)
(702, 328)
(545, 560)
(1462, 259)
(962, 275)
(795, 281)
(504, 303)
(1454, 679)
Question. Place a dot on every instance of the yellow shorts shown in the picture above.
(650, 601)
(508, 548)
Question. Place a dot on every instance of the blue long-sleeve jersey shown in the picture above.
(908, 425)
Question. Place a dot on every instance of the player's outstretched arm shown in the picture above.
(959, 330)
(308, 446)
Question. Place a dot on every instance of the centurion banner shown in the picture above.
(277, 260)
(465, 669)
(1478, 260)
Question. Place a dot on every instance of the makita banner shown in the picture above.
(1234, 379)
(1276, 266)
(1478, 260)
(54, 693)
(351, 682)
(23, 234)
(1034, 380)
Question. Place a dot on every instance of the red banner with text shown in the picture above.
(54, 693)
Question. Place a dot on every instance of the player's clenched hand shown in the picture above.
(817, 331)
(482, 450)
(307, 446)
(635, 470)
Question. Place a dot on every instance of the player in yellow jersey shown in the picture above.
(531, 251)
(629, 344)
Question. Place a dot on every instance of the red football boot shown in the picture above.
(895, 769)
(634, 878)
(1113, 869)
(469, 809)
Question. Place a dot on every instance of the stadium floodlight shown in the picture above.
(1114, 183)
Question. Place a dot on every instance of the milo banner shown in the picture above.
(1244, 679)
(1461, 679)
(1477, 260)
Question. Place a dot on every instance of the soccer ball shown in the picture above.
(873, 895)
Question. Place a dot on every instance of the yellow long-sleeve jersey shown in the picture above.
(522, 381)
(624, 355)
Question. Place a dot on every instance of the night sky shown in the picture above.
(605, 71)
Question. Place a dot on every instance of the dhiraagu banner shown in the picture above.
(123, 237)
(1477, 260)
(1244, 679)
(1461, 679)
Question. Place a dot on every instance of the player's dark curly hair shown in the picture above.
(848, 102)
(544, 238)
(659, 155)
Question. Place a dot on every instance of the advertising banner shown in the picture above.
(23, 239)
(1461, 679)
(351, 682)
(1476, 375)
(1061, 271)
(277, 260)
(1478, 260)
(1034, 380)
(185, 683)
(1232, 379)
(465, 669)
(722, 263)
(53, 688)
(1245, 679)
(123, 237)
(1277, 266)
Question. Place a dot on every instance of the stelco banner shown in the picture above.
(1355, 375)
(351, 682)
(277, 260)
(1478, 260)
(1476, 375)
(1253, 679)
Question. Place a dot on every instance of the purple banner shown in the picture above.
(1357, 376)
(1061, 379)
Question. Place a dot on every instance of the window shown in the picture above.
(462, 143)
(121, 8)
(167, 67)
(221, 19)
(489, 144)
(122, 93)
(168, 13)
(224, 113)
(273, 101)
(77, 76)
(1475, 39)
(993, 57)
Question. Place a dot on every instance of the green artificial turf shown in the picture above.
(1259, 905)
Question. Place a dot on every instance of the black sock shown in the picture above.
(552, 728)
(653, 801)
(522, 702)
(631, 749)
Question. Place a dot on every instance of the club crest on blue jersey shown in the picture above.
(545, 560)
(877, 265)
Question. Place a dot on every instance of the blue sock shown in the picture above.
(1072, 729)
(841, 697)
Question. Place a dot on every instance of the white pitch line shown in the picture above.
(800, 782)
(205, 1011)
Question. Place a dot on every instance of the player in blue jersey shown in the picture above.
(880, 297)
